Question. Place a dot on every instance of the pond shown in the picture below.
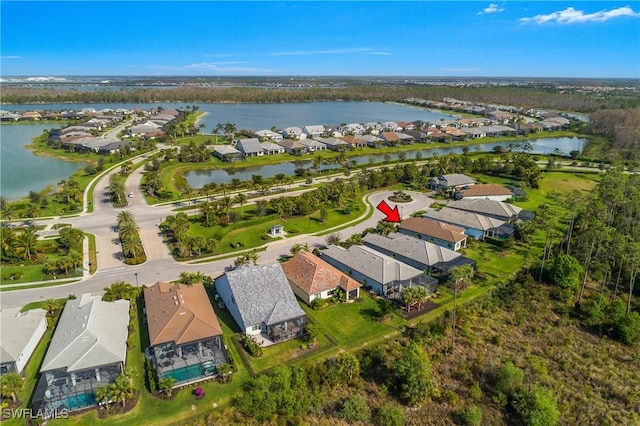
(198, 178)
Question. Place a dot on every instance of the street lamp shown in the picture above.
(136, 274)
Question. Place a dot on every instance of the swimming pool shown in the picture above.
(75, 402)
(185, 373)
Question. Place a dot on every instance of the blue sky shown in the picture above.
(203, 38)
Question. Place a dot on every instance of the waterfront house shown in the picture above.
(21, 332)
(270, 148)
(313, 131)
(313, 145)
(475, 132)
(450, 182)
(269, 135)
(484, 191)
(87, 351)
(372, 141)
(260, 300)
(354, 141)
(312, 278)
(418, 253)
(439, 233)
(382, 274)
(418, 135)
(185, 337)
(354, 129)
(334, 144)
(390, 138)
(293, 147)
(226, 153)
(475, 225)
(249, 147)
(292, 132)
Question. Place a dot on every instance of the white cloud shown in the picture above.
(573, 16)
(220, 67)
(11, 57)
(492, 8)
(328, 52)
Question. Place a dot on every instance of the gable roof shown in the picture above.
(291, 144)
(464, 218)
(90, 333)
(454, 179)
(426, 253)
(263, 295)
(179, 313)
(484, 190)
(270, 146)
(433, 228)
(225, 150)
(370, 263)
(313, 275)
(16, 330)
(487, 207)
(249, 145)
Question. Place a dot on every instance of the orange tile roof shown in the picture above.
(434, 229)
(313, 275)
(179, 313)
(352, 140)
(485, 190)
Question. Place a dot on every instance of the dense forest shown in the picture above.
(621, 127)
(527, 97)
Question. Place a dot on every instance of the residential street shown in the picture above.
(160, 265)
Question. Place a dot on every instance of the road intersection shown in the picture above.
(160, 265)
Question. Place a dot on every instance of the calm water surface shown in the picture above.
(198, 178)
(20, 170)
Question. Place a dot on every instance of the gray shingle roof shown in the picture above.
(421, 251)
(487, 207)
(249, 146)
(263, 294)
(90, 333)
(455, 179)
(375, 265)
(464, 219)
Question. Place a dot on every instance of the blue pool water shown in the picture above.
(75, 402)
(185, 373)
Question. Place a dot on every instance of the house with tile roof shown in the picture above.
(313, 145)
(87, 351)
(293, 147)
(185, 337)
(439, 233)
(354, 141)
(334, 144)
(475, 225)
(21, 332)
(249, 147)
(484, 192)
(372, 141)
(383, 274)
(260, 300)
(418, 253)
(312, 278)
(491, 208)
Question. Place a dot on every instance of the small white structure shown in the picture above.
(276, 231)
(21, 332)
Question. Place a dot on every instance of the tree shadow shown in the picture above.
(371, 314)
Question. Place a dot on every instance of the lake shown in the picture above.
(198, 178)
(20, 170)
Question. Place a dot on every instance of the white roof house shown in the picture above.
(21, 332)
(292, 132)
(90, 333)
(313, 131)
(269, 135)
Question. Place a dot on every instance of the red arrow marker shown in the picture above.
(392, 214)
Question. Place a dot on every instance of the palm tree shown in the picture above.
(26, 242)
(166, 385)
(125, 218)
(118, 290)
(241, 198)
(51, 305)
(8, 212)
(129, 232)
(11, 384)
(132, 248)
(227, 202)
(103, 395)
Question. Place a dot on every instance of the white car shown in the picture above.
(131, 195)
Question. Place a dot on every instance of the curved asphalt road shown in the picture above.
(160, 265)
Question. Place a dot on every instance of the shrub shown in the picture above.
(471, 415)
(251, 346)
(355, 409)
(293, 231)
(317, 304)
(390, 415)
